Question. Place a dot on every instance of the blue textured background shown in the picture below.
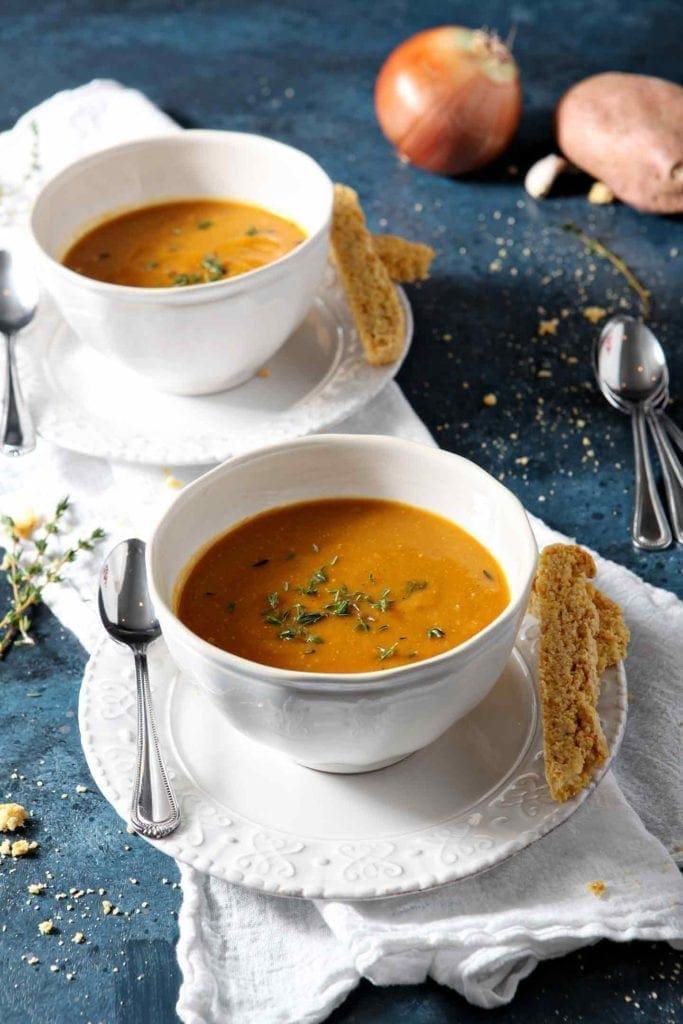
(303, 72)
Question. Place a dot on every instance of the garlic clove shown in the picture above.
(541, 176)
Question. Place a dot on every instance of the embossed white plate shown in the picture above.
(83, 401)
(470, 800)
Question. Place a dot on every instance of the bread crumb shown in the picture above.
(81, 789)
(548, 326)
(45, 927)
(598, 888)
(32, 960)
(107, 906)
(594, 313)
(600, 194)
(19, 848)
(263, 372)
(36, 888)
(490, 399)
(54, 968)
(523, 460)
(12, 816)
(172, 482)
(78, 938)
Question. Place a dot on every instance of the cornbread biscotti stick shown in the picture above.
(370, 293)
(573, 741)
(405, 261)
(613, 634)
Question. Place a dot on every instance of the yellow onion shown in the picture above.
(449, 99)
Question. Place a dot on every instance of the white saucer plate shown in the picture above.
(469, 801)
(82, 401)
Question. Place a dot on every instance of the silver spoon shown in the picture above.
(631, 373)
(128, 616)
(18, 302)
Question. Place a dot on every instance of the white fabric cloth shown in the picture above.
(249, 958)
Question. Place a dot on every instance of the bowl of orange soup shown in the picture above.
(343, 599)
(189, 257)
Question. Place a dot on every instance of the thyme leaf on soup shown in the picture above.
(413, 585)
(362, 626)
(182, 280)
(152, 265)
(488, 575)
(312, 638)
(273, 600)
(315, 548)
(230, 607)
(204, 224)
(251, 231)
(214, 269)
(387, 652)
(290, 554)
(435, 633)
(261, 561)
(381, 629)
(384, 602)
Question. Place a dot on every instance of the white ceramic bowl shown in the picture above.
(344, 722)
(202, 338)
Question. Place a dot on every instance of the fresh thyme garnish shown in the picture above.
(30, 565)
(251, 231)
(387, 652)
(334, 560)
(230, 607)
(182, 280)
(362, 626)
(315, 548)
(152, 265)
(488, 575)
(435, 633)
(413, 585)
(384, 602)
(285, 585)
(312, 638)
(380, 629)
(261, 561)
(305, 618)
(319, 576)
(214, 269)
(273, 600)
(103, 255)
(290, 554)
(204, 224)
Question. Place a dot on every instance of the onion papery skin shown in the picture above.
(449, 99)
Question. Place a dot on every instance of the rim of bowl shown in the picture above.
(343, 680)
(182, 136)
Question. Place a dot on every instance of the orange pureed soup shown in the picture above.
(341, 585)
(191, 241)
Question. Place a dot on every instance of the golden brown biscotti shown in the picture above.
(369, 290)
(573, 741)
(405, 261)
(613, 633)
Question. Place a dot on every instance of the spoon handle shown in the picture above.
(649, 528)
(155, 812)
(672, 472)
(16, 429)
(674, 431)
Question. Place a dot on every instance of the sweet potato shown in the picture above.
(627, 131)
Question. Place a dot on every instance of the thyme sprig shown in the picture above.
(30, 565)
(600, 249)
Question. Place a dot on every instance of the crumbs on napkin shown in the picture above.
(582, 633)
(598, 887)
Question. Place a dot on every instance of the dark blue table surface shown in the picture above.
(304, 72)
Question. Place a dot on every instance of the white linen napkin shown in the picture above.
(248, 957)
